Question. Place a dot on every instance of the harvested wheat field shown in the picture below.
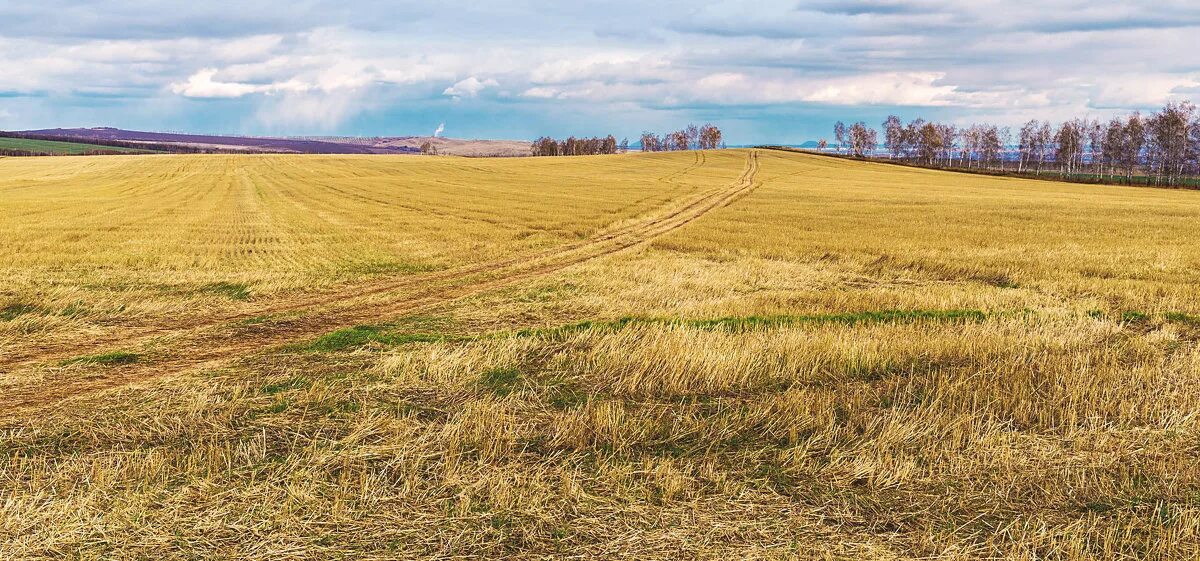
(713, 355)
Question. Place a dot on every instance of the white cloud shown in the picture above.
(889, 88)
(1141, 90)
(201, 84)
(470, 87)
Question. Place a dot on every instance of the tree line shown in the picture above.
(1162, 148)
(546, 146)
(691, 137)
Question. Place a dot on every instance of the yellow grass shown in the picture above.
(843, 361)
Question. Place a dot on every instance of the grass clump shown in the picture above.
(1182, 317)
(286, 385)
(116, 357)
(364, 335)
(501, 381)
(751, 323)
(13, 311)
(389, 268)
(1133, 317)
(231, 290)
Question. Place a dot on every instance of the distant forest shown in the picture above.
(691, 137)
(1162, 148)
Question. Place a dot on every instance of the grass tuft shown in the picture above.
(231, 290)
(116, 357)
(364, 335)
(500, 381)
(1182, 317)
(751, 323)
(286, 385)
(1133, 317)
(13, 311)
(389, 268)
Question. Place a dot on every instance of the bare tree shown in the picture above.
(991, 144)
(928, 142)
(679, 140)
(1194, 144)
(893, 135)
(710, 137)
(1095, 136)
(649, 142)
(1132, 144)
(1168, 142)
(949, 134)
(839, 135)
(1042, 140)
(693, 136)
(1114, 145)
(863, 139)
(1027, 147)
(971, 141)
(1069, 145)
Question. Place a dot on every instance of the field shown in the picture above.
(713, 355)
(58, 148)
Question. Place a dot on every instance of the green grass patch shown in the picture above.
(14, 311)
(567, 397)
(1133, 317)
(420, 330)
(363, 335)
(231, 290)
(286, 385)
(116, 357)
(74, 310)
(752, 323)
(1181, 317)
(389, 268)
(61, 147)
(500, 381)
(256, 320)
(279, 406)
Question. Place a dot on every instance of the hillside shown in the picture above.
(321, 145)
(27, 145)
(735, 354)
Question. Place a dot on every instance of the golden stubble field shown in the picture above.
(733, 354)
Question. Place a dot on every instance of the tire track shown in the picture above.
(207, 346)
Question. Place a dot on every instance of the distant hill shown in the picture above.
(18, 146)
(296, 145)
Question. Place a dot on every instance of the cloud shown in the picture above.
(914, 89)
(201, 84)
(271, 65)
(469, 87)
(308, 110)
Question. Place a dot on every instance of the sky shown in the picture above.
(764, 71)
